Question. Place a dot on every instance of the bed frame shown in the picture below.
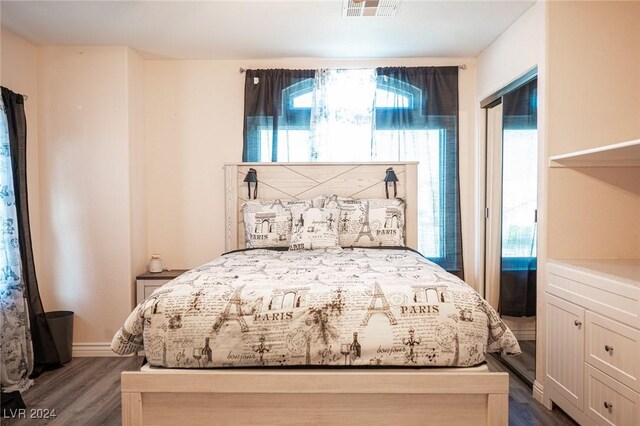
(258, 396)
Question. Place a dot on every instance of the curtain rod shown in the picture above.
(462, 67)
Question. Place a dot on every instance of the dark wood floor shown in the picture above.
(523, 409)
(84, 392)
(87, 392)
(525, 364)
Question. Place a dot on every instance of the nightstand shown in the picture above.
(149, 281)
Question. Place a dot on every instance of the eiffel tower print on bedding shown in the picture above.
(369, 222)
(340, 307)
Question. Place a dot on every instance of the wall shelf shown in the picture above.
(626, 271)
(624, 154)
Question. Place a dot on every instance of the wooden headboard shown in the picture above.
(308, 180)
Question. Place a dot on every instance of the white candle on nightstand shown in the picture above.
(155, 264)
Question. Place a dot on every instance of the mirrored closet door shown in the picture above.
(511, 216)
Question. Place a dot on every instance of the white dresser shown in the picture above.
(593, 340)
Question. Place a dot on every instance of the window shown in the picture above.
(294, 142)
(368, 115)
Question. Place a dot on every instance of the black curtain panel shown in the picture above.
(265, 109)
(44, 349)
(430, 102)
(520, 107)
(518, 274)
(10, 404)
(518, 283)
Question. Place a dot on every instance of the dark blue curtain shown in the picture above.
(266, 108)
(518, 275)
(432, 105)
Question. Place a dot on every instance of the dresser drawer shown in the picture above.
(609, 402)
(613, 348)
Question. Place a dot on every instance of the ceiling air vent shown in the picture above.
(355, 8)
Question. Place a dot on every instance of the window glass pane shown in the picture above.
(265, 144)
(303, 100)
(519, 192)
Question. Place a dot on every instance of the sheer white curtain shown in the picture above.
(342, 115)
(343, 128)
(423, 146)
(406, 141)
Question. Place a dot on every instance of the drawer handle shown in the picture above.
(577, 323)
(608, 405)
(608, 349)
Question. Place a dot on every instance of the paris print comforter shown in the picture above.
(353, 307)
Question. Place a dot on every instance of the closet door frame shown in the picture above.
(493, 204)
(489, 243)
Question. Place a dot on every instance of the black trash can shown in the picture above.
(61, 326)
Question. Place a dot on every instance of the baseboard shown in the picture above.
(92, 349)
(538, 395)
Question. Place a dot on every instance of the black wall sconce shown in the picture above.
(391, 177)
(252, 177)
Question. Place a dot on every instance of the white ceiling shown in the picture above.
(265, 28)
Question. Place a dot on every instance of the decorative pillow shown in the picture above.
(369, 222)
(314, 228)
(319, 201)
(267, 223)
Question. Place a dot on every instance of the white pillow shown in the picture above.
(267, 223)
(385, 225)
(315, 228)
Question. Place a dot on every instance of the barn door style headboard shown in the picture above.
(307, 180)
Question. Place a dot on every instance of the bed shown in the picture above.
(335, 336)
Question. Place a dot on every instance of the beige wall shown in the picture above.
(19, 73)
(516, 51)
(193, 125)
(594, 100)
(137, 166)
(594, 84)
(86, 187)
(78, 176)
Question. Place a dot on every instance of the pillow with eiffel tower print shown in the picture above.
(315, 228)
(369, 222)
(267, 223)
